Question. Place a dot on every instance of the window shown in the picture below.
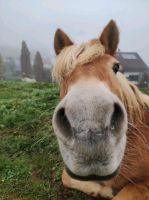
(133, 77)
(129, 56)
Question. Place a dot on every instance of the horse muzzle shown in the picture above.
(90, 124)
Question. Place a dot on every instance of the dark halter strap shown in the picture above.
(92, 177)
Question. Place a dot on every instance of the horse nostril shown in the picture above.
(62, 122)
(117, 117)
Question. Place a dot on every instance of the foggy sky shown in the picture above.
(35, 21)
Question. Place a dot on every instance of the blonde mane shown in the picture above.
(134, 101)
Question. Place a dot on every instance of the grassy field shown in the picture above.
(30, 163)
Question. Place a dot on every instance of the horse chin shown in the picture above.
(99, 161)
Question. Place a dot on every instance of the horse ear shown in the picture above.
(110, 37)
(61, 40)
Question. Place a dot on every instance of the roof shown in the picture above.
(131, 62)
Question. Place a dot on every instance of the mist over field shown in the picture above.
(35, 22)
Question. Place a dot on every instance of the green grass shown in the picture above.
(30, 162)
(145, 90)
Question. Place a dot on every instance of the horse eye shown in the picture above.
(116, 67)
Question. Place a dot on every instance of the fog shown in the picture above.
(35, 21)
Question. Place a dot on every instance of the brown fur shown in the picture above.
(134, 172)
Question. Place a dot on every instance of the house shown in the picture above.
(133, 66)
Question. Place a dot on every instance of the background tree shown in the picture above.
(10, 68)
(145, 79)
(47, 75)
(2, 71)
(25, 61)
(38, 67)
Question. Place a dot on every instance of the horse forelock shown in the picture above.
(75, 55)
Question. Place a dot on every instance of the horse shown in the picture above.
(102, 120)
